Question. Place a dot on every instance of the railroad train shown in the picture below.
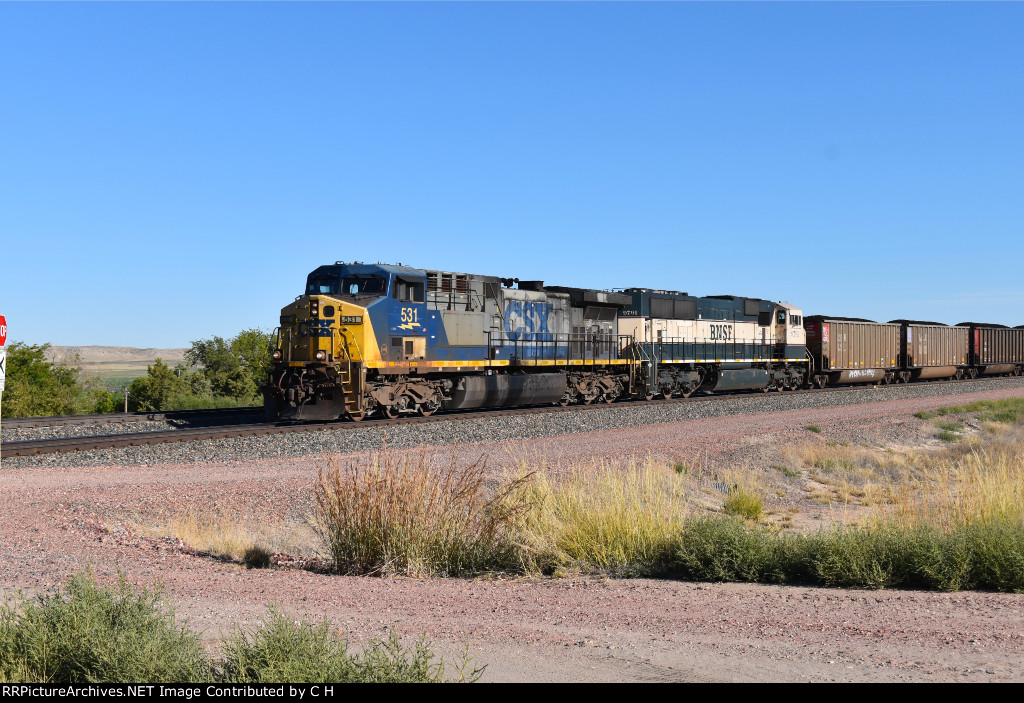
(387, 340)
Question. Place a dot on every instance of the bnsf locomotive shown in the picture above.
(375, 339)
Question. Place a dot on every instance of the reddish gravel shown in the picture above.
(54, 522)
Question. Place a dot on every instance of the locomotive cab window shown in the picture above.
(323, 285)
(782, 317)
(795, 320)
(357, 285)
(407, 291)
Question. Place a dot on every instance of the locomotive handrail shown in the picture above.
(550, 346)
(732, 350)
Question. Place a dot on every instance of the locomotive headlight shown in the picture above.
(314, 308)
(321, 355)
(276, 354)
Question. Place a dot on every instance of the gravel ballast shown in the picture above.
(448, 430)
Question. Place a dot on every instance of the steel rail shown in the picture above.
(142, 416)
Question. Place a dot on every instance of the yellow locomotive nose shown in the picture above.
(319, 329)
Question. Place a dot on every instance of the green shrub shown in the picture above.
(949, 425)
(947, 436)
(814, 428)
(997, 556)
(715, 548)
(282, 649)
(88, 633)
(924, 415)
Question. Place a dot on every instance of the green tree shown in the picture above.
(253, 349)
(36, 386)
(235, 368)
(157, 388)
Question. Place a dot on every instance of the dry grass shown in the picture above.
(229, 536)
(980, 486)
(602, 517)
(399, 513)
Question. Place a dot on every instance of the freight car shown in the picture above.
(377, 339)
(932, 350)
(995, 349)
(852, 350)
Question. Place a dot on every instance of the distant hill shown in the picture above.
(115, 362)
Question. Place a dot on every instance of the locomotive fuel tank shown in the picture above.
(495, 391)
(741, 379)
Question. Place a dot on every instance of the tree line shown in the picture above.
(216, 372)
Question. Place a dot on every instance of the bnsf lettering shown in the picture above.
(721, 333)
(315, 328)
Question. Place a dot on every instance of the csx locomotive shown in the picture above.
(376, 339)
(380, 339)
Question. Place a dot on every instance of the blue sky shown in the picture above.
(172, 171)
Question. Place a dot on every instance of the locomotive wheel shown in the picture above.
(391, 411)
(649, 396)
(565, 401)
(686, 393)
(667, 395)
(357, 417)
(423, 410)
(608, 398)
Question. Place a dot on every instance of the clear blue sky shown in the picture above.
(172, 171)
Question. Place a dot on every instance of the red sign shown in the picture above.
(3, 330)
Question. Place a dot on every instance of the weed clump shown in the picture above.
(283, 649)
(89, 633)
(256, 557)
(398, 514)
(743, 503)
(813, 428)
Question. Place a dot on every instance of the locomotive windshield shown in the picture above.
(349, 285)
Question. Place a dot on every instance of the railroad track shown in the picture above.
(84, 443)
(202, 415)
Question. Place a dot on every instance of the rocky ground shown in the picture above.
(56, 517)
